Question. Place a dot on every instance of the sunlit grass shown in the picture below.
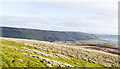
(9, 55)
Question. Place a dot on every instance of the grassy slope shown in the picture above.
(8, 55)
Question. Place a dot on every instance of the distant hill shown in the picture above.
(109, 36)
(44, 35)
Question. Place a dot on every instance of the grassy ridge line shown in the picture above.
(12, 50)
(97, 57)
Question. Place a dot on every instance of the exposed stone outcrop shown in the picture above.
(55, 55)
(54, 62)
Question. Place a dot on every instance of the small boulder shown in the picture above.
(48, 65)
(20, 59)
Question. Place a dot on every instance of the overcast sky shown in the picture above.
(89, 16)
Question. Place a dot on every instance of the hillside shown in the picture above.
(94, 46)
(33, 53)
(44, 35)
(108, 36)
(101, 40)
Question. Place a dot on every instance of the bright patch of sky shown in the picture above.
(90, 17)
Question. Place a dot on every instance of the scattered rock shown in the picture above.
(54, 62)
(116, 65)
(96, 56)
(48, 65)
(62, 56)
(20, 59)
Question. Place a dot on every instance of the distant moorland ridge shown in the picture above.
(46, 35)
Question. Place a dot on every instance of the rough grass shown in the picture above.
(8, 55)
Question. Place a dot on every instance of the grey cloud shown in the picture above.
(106, 27)
(97, 18)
